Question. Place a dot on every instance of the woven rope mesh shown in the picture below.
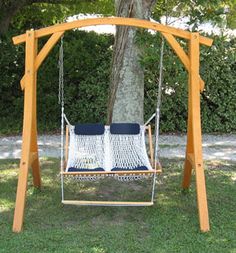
(107, 151)
(129, 151)
(86, 151)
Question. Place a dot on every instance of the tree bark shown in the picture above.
(127, 78)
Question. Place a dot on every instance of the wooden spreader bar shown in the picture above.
(105, 203)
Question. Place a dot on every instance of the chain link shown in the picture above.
(61, 75)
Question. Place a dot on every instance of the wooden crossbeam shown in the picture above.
(112, 21)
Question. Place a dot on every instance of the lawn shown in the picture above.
(171, 225)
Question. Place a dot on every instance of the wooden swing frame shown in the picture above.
(34, 59)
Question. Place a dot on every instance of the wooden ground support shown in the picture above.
(194, 136)
(33, 60)
(29, 154)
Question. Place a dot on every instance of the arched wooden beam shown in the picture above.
(112, 21)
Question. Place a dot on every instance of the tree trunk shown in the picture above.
(127, 78)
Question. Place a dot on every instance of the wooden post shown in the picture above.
(34, 142)
(29, 139)
(194, 139)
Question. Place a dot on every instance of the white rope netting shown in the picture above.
(85, 151)
(108, 151)
(129, 151)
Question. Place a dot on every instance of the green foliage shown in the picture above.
(218, 69)
(86, 78)
(33, 13)
(87, 58)
(222, 13)
(219, 98)
(87, 67)
(174, 88)
(38, 15)
(12, 69)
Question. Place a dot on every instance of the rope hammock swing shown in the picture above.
(110, 157)
(93, 151)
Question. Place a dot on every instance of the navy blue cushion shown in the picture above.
(125, 128)
(130, 169)
(72, 169)
(89, 129)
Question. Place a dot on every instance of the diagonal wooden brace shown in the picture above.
(181, 54)
(43, 53)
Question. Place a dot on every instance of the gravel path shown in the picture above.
(222, 147)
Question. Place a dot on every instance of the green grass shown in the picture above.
(171, 225)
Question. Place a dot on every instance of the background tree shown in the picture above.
(37, 13)
(127, 77)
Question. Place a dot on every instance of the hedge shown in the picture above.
(87, 68)
(218, 70)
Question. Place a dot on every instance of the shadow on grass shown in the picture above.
(171, 225)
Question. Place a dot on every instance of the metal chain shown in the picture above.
(157, 123)
(61, 102)
(61, 75)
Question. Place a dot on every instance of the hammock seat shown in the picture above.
(115, 148)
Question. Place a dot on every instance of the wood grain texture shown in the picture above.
(105, 203)
(194, 158)
(112, 21)
(29, 107)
